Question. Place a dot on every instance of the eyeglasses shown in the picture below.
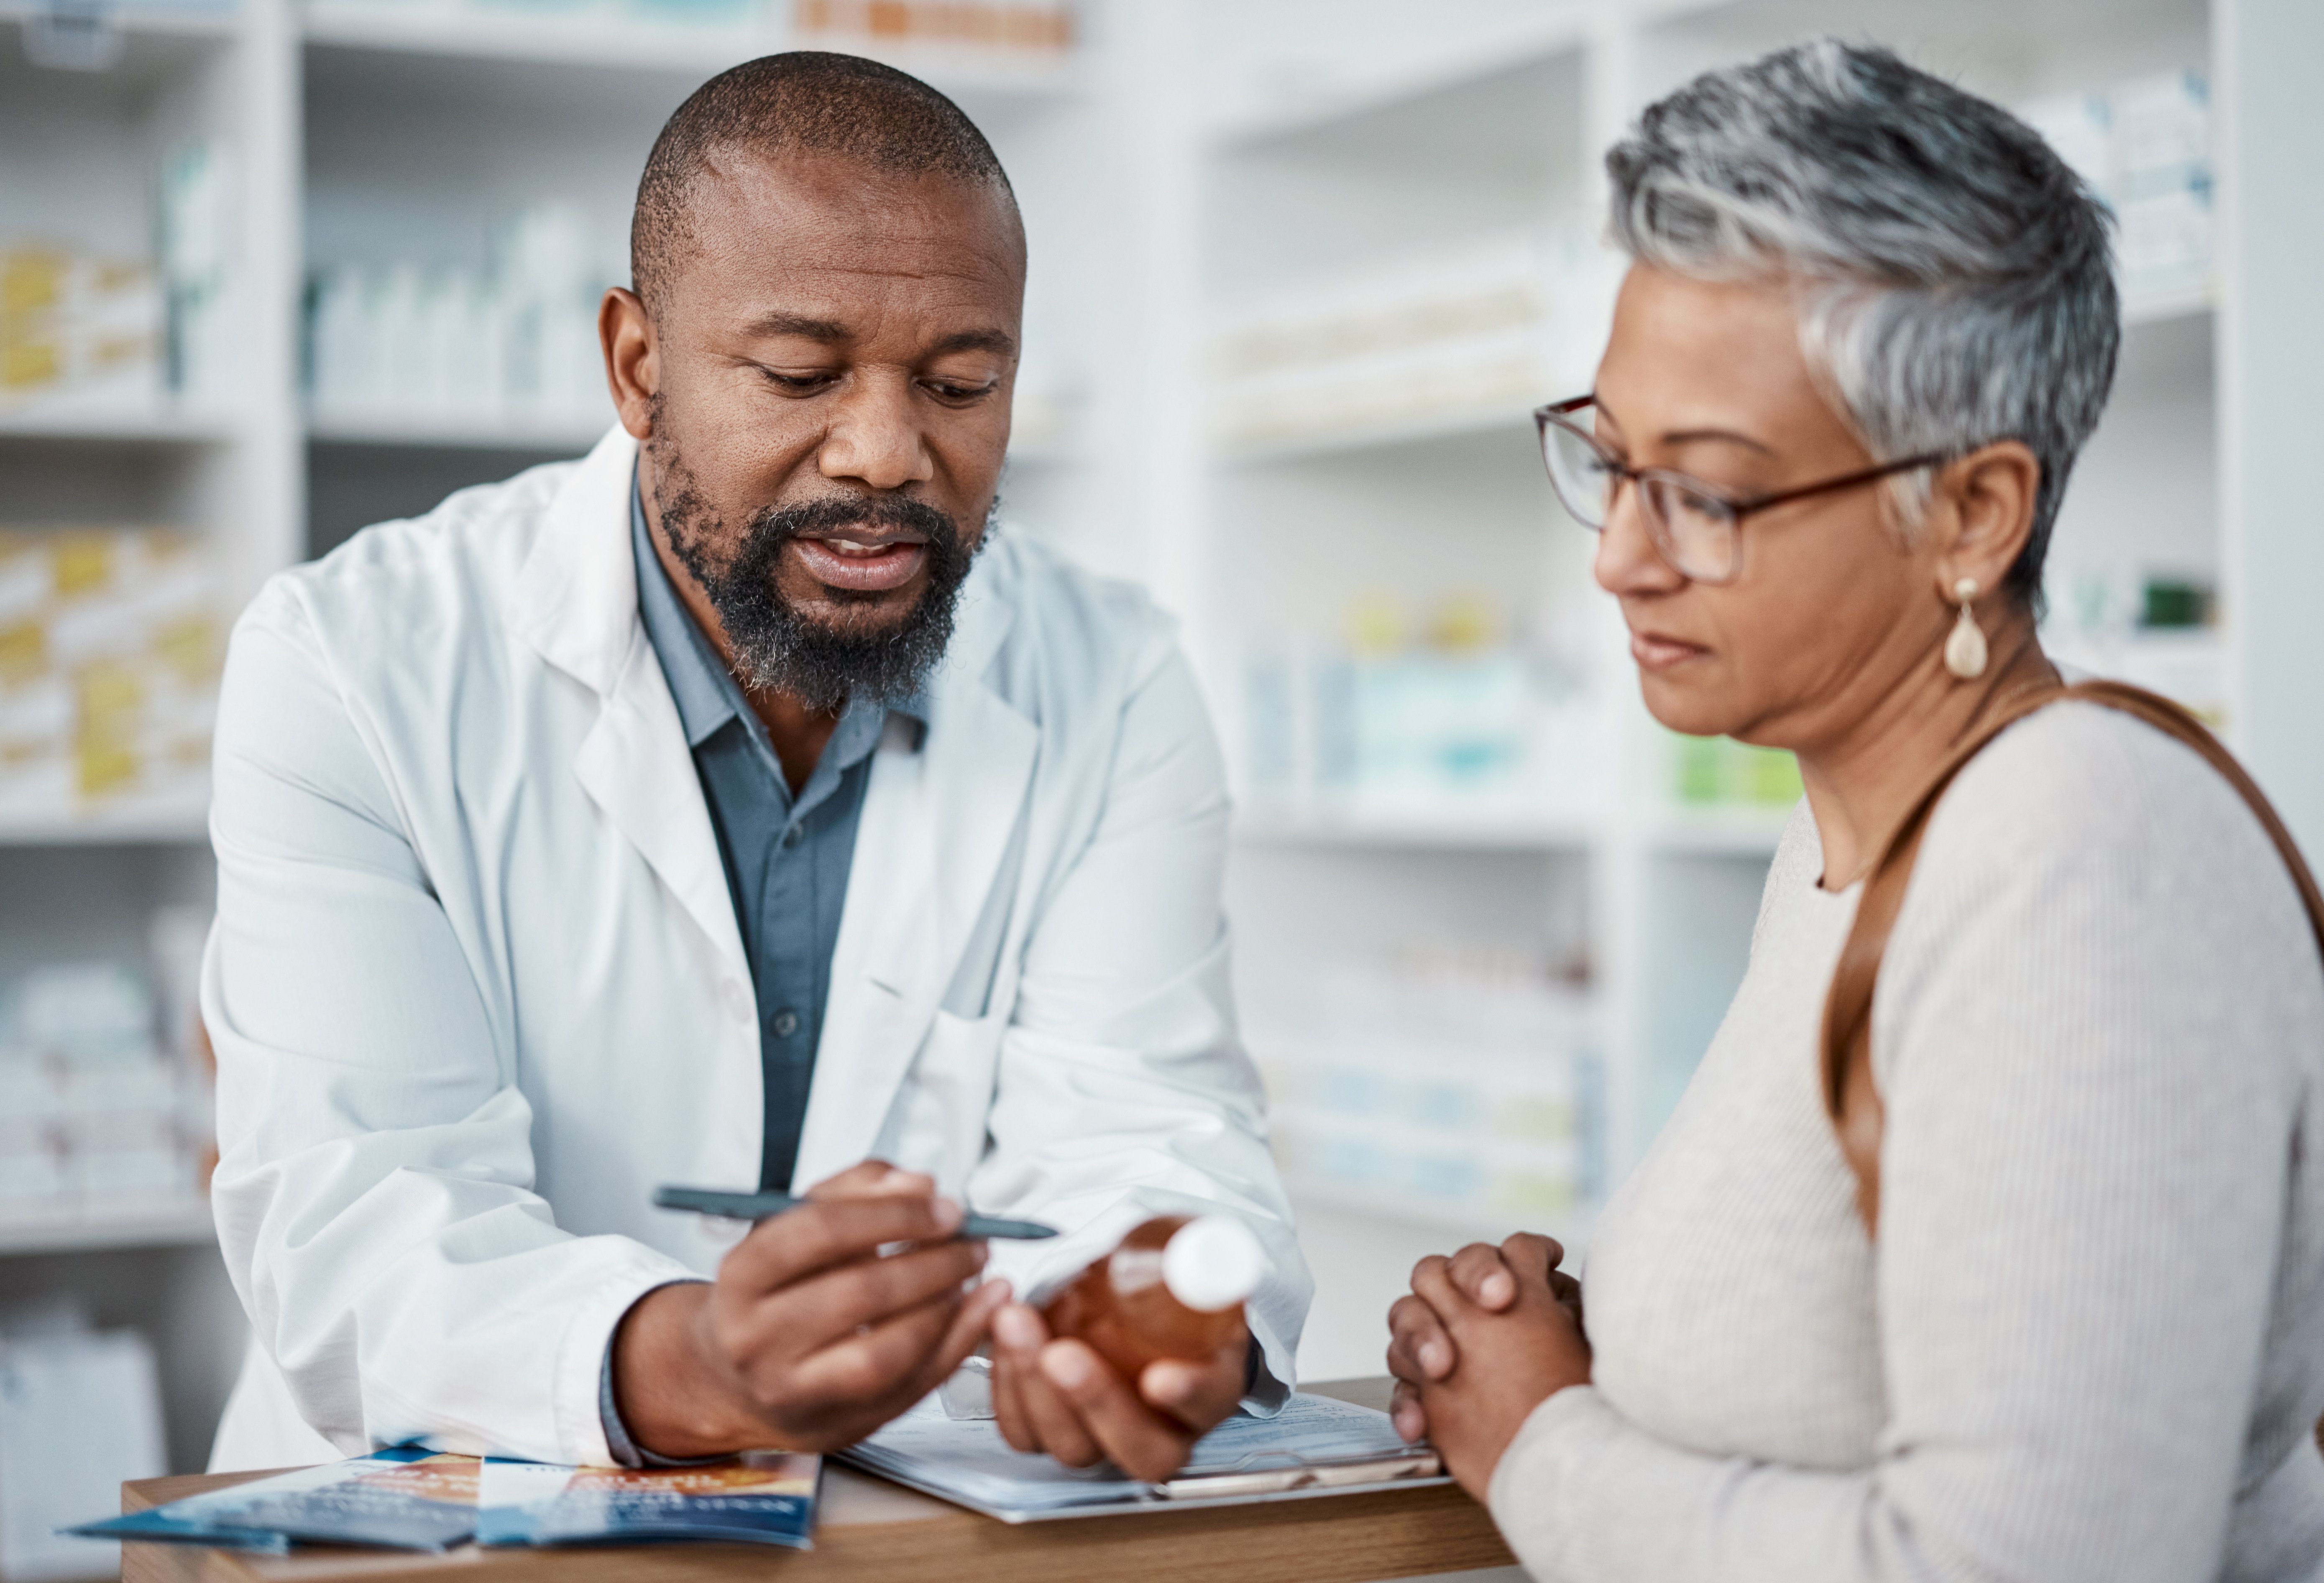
(1694, 526)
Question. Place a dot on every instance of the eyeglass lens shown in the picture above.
(1692, 530)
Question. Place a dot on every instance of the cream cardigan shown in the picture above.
(2089, 1341)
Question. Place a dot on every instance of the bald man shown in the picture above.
(736, 806)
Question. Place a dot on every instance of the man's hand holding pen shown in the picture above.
(810, 1339)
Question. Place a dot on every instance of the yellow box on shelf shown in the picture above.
(110, 646)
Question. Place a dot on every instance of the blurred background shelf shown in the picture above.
(698, 47)
(561, 438)
(1499, 421)
(1490, 828)
(169, 1223)
(165, 425)
(1740, 832)
(111, 828)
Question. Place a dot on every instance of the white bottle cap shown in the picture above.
(1212, 1262)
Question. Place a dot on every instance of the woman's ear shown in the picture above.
(1981, 513)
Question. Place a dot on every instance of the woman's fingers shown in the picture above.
(1404, 1411)
(1568, 1293)
(1532, 1254)
(1431, 1282)
(1483, 1277)
(1419, 1348)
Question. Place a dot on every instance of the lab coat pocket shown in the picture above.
(936, 1124)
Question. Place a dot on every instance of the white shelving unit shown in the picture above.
(1194, 157)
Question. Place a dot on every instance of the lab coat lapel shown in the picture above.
(935, 827)
(576, 603)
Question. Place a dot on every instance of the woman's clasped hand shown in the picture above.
(1485, 1337)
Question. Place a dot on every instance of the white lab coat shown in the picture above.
(476, 985)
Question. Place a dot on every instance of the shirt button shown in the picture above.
(793, 836)
(738, 1001)
(786, 1024)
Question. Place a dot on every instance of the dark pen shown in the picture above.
(761, 1206)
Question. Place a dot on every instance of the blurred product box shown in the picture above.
(514, 344)
(1026, 28)
(80, 1413)
(1721, 772)
(2153, 627)
(1495, 328)
(96, 1112)
(78, 329)
(1466, 719)
(86, 333)
(109, 657)
(198, 255)
(1459, 1079)
(2143, 146)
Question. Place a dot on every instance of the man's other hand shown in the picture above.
(812, 1336)
(1061, 1397)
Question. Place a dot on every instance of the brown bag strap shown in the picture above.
(1850, 1093)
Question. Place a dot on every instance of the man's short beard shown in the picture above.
(777, 646)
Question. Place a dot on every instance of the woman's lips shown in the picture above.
(861, 568)
(1655, 651)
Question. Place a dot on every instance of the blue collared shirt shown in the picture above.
(787, 858)
(787, 862)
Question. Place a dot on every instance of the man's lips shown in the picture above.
(1658, 651)
(863, 563)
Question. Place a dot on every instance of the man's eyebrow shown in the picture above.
(1688, 437)
(799, 324)
(999, 343)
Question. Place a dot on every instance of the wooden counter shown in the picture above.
(869, 1531)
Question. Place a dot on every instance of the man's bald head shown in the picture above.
(806, 102)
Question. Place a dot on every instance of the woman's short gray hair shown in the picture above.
(1957, 281)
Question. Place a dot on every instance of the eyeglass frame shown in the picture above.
(1736, 510)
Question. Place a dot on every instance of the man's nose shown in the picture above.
(875, 437)
(1628, 560)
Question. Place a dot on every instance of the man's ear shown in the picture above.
(625, 332)
(1981, 513)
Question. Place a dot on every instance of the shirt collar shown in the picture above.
(706, 692)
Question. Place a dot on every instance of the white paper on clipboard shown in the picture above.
(1316, 1446)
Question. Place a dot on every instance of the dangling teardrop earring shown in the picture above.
(1965, 647)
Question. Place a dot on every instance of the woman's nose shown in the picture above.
(1627, 561)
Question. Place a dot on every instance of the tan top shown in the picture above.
(2090, 1343)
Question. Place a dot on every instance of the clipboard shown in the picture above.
(1318, 1447)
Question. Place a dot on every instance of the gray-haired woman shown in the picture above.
(1869, 321)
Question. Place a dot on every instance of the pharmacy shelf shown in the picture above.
(1420, 431)
(138, 1223)
(2165, 308)
(1460, 1222)
(157, 425)
(1723, 831)
(1436, 824)
(1390, 84)
(562, 436)
(611, 41)
(185, 826)
(162, 20)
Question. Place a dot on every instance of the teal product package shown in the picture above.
(760, 1497)
(406, 1497)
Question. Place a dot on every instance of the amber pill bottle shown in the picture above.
(1174, 1288)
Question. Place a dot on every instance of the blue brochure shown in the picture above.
(406, 1497)
(763, 1497)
